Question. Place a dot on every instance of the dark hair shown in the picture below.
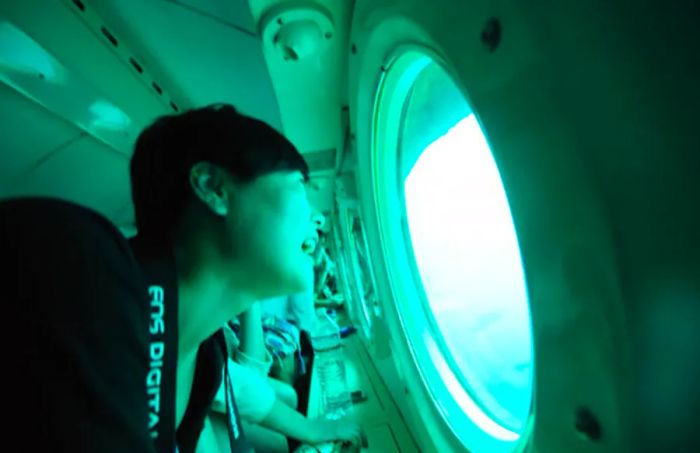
(166, 151)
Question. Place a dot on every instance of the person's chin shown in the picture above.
(304, 281)
(304, 284)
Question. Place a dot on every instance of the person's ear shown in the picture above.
(207, 182)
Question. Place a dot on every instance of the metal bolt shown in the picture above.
(587, 425)
(491, 34)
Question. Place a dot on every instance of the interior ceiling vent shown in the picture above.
(296, 30)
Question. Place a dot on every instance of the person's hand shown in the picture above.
(344, 429)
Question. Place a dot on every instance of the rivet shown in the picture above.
(491, 34)
(587, 425)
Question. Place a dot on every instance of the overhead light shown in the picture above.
(108, 116)
(21, 55)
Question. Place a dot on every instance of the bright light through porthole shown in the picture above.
(465, 308)
(467, 255)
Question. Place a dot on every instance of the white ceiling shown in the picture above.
(198, 52)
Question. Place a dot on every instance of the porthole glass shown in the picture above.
(442, 193)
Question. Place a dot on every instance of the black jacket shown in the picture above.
(80, 338)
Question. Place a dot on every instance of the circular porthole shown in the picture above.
(452, 253)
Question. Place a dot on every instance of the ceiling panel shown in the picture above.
(203, 56)
(73, 39)
(29, 133)
(86, 172)
(234, 13)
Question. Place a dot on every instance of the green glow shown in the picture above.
(467, 253)
(20, 54)
(108, 116)
(27, 67)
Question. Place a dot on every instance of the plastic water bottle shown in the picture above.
(330, 367)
